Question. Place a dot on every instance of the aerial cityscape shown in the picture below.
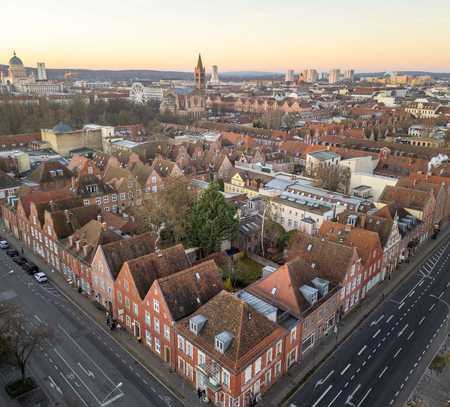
(251, 210)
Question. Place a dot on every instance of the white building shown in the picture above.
(334, 76)
(321, 159)
(289, 76)
(310, 75)
(41, 72)
(348, 75)
(215, 75)
(143, 94)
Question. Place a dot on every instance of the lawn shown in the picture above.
(247, 271)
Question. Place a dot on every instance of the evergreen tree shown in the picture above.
(211, 221)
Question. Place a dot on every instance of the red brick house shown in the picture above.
(51, 175)
(229, 350)
(335, 262)
(369, 249)
(311, 301)
(108, 260)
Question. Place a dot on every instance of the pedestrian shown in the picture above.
(21, 250)
(199, 393)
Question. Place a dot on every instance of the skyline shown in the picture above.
(258, 35)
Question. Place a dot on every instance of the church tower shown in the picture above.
(200, 75)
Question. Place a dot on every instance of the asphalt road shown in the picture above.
(381, 362)
(80, 365)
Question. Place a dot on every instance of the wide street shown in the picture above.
(81, 365)
(380, 363)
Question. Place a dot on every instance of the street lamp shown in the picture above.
(119, 385)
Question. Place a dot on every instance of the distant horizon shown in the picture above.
(255, 35)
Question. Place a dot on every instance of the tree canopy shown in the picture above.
(212, 220)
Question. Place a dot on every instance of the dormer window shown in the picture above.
(219, 345)
(196, 323)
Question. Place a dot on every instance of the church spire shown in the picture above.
(199, 62)
(200, 74)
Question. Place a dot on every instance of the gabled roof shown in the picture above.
(50, 171)
(148, 268)
(67, 222)
(7, 182)
(28, 195)
(321, 257)
(250, 331)
(118, 252)
(364, 240)
(405, 197)
(186, 290)
(56, 205)
(163, 167)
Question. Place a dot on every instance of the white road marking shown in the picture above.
(322, 396)
(54, 385)
(390, 318)
(429, 309)
(365, 396)
(86, 371)
(349, 398)
(421, 320)
(345, 369)
(410, 335)
(73, 388)
(401, 305)
(335, 398)
(322, 381)
(396, 353)
(376, 333)
(377, 321)
(402, 331)
(382, 372)
(362, 350)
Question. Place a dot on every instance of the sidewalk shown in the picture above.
(156, 367)
(296, 376)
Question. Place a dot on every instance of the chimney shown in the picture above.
(77, 245)
(85, 249)
(99, 218)
(71, 241)
(74, 184)
(363, 220)
(104, 226)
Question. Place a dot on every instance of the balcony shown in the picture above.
(209, 375)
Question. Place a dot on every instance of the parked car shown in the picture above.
(4, 244)
(40, 277)
(12, 253)
(19, 260)
(31, 268)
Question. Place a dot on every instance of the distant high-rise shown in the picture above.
(310, 75)
(41, 72)
(215, 75)
(334, 76)
(348, 74)
(289, 76)
(200, 74)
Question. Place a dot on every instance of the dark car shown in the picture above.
(19, 260)
(30, 268)
(12, 253)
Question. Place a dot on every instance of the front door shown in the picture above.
(167, 354)
(137, 329)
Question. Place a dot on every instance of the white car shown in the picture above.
(40, 277)
(4, 244)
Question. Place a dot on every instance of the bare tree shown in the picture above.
(333, 178)
(19, 341)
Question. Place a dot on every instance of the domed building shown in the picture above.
(16, 70)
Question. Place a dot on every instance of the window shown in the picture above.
(181, 365)
(201, 358)
(106, 199)
(119, 297)
(248, 374)
(225, 379)
(292, 357)
(114, 197)
(166, 332)
(156, 305)
(98, 201)
(148, 320)
(279, 347)
(268, 378)
(136, 309)
(293, 334)
(258, 365)
(156, 324)
(278, 369)
(125, 285)
(189, 349)
(148, 338)
(127, 303)
(86, 202)
(308, 343)
(122, 196)
(153, 179)
(157, 345)
(180, 343)
(189, 371)
(219, 345)
(269, 356)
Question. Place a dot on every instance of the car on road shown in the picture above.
(19, 260)
(12, 253)
(40, 277)
(30, 268)
(4, 244)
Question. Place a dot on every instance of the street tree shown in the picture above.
(211, 221)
